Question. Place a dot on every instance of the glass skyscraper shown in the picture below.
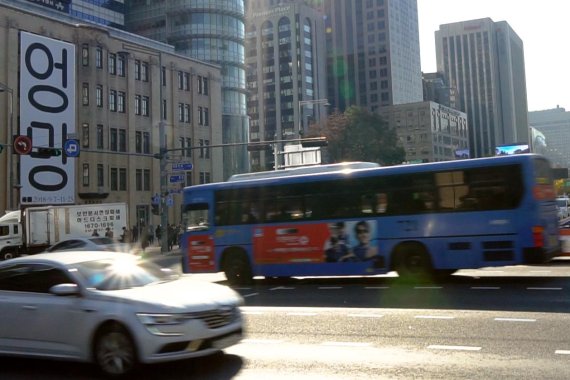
(211, 31)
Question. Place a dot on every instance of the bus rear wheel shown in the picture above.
(237, 269)
(412, 263)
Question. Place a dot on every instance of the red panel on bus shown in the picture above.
(290, 243)
(201, 253)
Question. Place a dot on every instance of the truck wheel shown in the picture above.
(237, 269)
(7, 255)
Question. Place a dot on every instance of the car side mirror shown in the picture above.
(65, 290)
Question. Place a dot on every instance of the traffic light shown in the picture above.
(48, 152)
(314, 142)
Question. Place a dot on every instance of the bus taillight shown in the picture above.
(538, 236)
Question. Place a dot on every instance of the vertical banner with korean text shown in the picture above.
(47, 117)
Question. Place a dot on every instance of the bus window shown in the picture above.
(195, 216)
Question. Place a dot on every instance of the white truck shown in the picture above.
(42, 226)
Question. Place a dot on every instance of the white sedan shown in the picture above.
(112, 309)
(94, 243)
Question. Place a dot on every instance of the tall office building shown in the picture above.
(286, 73)
(484, 61)
(104, 12)
(211, 31)
(373, 53)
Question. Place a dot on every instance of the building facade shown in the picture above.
(554, 127)
(104, 12)
(128, 90)
(437, 90)
(373, 53)
(428, 131)
(285, 74)
(212, 31)
(484, 61)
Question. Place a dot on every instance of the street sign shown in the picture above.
(71, 148)
(22, 144)
(177, 178)
(182, 166)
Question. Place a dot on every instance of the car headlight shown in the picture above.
(159, 319)
(161, 324)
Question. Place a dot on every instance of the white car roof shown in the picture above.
(70, 257)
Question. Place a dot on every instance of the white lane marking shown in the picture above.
(261, 341)
(562, 352)
(433, 317)
(459, 348)
(303, 314)
(364, 315)
(283, 288)
(515, 319)
(251, 295)
(485, 287)
(329, 287)
(252, 312)
(543, 288)
(540, 271)
(428, 287)
(347, 344)
(376, 287)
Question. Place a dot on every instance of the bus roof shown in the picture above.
(313, 169)
(297, 177)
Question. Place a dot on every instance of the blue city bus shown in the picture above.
(418, 220)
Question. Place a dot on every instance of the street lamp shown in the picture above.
(5, 88)
(321, 102)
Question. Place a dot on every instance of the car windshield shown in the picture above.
(123, 273)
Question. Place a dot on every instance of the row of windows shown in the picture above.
(186, 147)
(118, 178)
(478, 189)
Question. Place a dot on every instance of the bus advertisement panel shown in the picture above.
(418, 220)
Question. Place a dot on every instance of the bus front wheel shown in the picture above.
(412, 263)
(237, 269)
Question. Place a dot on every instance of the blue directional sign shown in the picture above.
(177, 178)
(71, 148)
(182, 166)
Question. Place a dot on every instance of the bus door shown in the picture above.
(197, 240)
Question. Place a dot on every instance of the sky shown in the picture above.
(542, 25)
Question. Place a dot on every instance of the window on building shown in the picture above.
(138, 142)
(144, 71)
(114, 179)
(146, 180)
(113, 146)
(187, 113)
(85, 175)
(121, 101)
(85, 55)
(100, 144)
(85, 94)
(121, 65)
(164, 108)
(99, 95)
(180, 80)
(137, 69)
(186, 81)
(112, 64)
(180, 112)
(188, 147)
(122, 179)
(206, 116)
(113, 100)
(122, 140)
(100, 175)
(85, 135)
(137, 104)
(138, 180)
(205, 177)
(145, 106)
(146, 142)
(99, 57)
(163, 76)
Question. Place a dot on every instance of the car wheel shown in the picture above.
(237, 269)
(115, 352)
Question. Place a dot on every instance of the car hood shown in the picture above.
(183, 294)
